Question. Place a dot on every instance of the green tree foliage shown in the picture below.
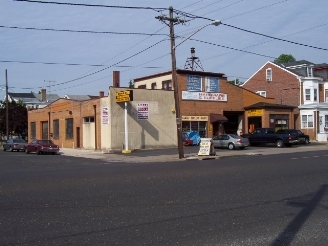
(17, 119)
(284, 58)
(131, 84)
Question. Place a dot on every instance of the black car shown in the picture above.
(302, 138)
(14, 144)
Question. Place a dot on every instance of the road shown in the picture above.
(254, 200)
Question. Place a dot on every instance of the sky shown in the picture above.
(74, 49)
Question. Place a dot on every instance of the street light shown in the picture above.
(175, 80)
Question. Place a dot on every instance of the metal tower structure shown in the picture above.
(193, 63)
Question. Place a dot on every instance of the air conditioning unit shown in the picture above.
(268, 79)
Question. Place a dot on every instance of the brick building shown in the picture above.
(208, 103)
(302, 85)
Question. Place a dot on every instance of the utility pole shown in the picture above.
(7, 107)
(172, 21)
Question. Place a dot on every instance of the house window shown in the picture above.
(153, 86)
(307, 94)
(309, 71)
(56, 128)
(167, 85)
(307, 121)
(33, 130)
(69, 128)
(261, 93)
(326, 121)
(326, 95)
(315, 95)
(142, 86)
(89, 119)
(269, 74)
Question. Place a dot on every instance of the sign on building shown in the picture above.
(124, 96)
(143, 111)
(194, 83)
(105, 115)
(204, 96)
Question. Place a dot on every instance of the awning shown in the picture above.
(218, 118)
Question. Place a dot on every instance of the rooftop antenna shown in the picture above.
(193, 62)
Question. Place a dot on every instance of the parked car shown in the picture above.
(269, 136)
(17, 144)
(40, 146)
(302, 138)
(230, 141)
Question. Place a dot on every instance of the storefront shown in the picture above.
(195, 123)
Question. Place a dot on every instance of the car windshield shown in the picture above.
(46, 142)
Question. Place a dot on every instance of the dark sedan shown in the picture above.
(41, 146)
(14, 144)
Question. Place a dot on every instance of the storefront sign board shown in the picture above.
(194, 118)
(255, 112)
(205, 146)
(204, 96)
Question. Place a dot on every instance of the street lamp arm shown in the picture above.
(216, 23)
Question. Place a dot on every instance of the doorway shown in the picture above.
(44, 129)
(78, 139)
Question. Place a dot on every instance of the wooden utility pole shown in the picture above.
(7, 107)
(172, 21)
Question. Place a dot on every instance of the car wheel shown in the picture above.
(231, 146)
(4, 149)
(280, 143)
(26, 151)
(37, 152)
(11, 149)
(307, 141)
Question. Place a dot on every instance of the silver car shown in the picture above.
(14, 144)
(230, 141)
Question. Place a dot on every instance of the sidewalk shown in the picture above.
(172, 154)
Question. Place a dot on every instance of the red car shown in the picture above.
(40, 146)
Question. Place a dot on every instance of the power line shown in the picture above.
(253, 53)
(92, 5)
(82, 31)
(280, 39)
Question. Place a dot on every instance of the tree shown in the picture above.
(17, 118)
(284, 58)
(131, 84)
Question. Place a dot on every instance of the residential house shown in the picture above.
(299, 84)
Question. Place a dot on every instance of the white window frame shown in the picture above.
(309, 71)
(315, 95)
(326, 95)
(268, 74)
(307, 121)
(307, 96)
(326, 121)
(261, 93)
(88, 119)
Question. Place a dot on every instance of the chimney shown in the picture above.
(116, 78)
(101, 94)
(43, 95)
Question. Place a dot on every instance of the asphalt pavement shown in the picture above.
(190, 153)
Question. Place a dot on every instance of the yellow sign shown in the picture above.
(124, 96)
(255, 112)
(210, 128)
(194, 118)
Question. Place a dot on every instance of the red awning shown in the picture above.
(218, 118)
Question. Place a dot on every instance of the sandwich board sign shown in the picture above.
(205, 146)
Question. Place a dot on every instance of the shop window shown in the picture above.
(33, 130)
(89, 119)
(307, 121)
(307, 94)
(69, 128)
(56, 128)
(167, 85)
(198, 126)
(269, 74)
(281, 124)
